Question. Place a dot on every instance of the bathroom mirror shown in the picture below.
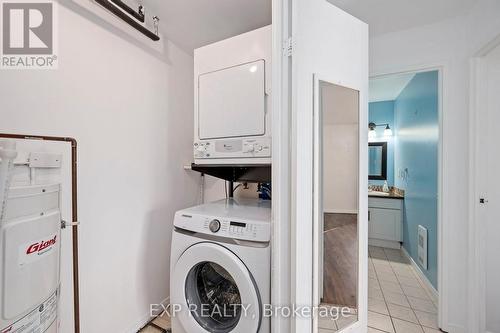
(377, 158)
(336, 207)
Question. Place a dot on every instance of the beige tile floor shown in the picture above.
(329, 325)
(398, 301)
(160, 324)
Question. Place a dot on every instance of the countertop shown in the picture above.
(390, 195)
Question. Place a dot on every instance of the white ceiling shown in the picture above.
(385, 16)
(388, 88)
(194, 23)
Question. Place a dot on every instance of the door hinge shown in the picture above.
(288, 47)
(65, 224)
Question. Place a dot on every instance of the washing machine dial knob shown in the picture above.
(214, 226)
(249, 148)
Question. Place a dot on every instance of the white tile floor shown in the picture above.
(398, 301)
(329, 325)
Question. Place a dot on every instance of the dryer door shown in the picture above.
(232, 102)
(218, 294)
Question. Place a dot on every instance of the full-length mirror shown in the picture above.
(336, 179)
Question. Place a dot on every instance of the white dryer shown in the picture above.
(232, 100)
(220, 267)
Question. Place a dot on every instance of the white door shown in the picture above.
(488, 190)
(332, 46)
(235, 95)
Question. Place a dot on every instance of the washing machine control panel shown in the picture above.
(253, 231)
(256, 231)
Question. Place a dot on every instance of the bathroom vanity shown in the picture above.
(385, 219)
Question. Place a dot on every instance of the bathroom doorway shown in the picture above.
(404, 203)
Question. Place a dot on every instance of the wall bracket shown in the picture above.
(127, 14)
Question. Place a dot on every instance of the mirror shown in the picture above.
(377, 159)
(336, 209)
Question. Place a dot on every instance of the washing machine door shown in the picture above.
(216, 292)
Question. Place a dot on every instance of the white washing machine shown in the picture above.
(221, 267)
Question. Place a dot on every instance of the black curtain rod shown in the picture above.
(115, 10)
(138, 15)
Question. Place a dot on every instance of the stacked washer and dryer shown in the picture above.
(221, 254)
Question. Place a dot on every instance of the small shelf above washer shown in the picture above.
(236, 173)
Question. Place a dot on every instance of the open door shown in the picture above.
(329, 49)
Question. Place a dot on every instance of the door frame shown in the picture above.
(477, 284)
(318, 197)
(443, 224)
(284, 248)
(281, 204)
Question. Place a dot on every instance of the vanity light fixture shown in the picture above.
(373, 130)
(387, 131)
(372, 135)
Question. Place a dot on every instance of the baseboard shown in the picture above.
(456, 329)
(428, 285)
(384, 243)
(147, 318)
(339, 211)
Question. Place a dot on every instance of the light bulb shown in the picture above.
(372, 134)
(387, 131)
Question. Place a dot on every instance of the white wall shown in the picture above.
(129, 105)
(214, 190)
(451, 44)
(340, 108)
(340, 166)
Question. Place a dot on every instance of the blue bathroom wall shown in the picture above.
(383, 113)
(416, 163)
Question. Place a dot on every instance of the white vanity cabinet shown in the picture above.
(385, 222)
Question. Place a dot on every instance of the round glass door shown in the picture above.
(213, 297)
(215, 292)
